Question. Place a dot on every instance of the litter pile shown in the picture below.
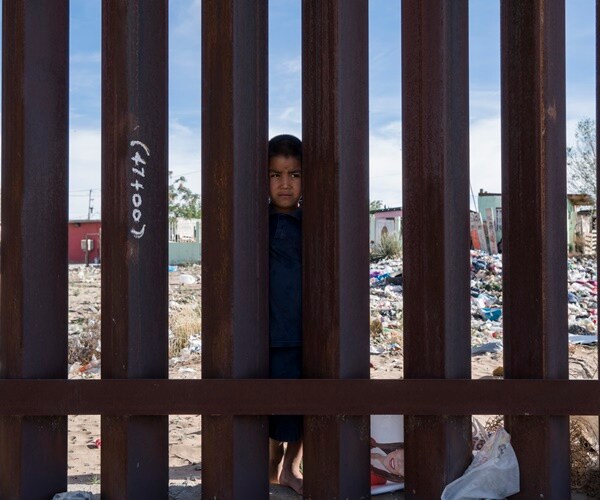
(584, 445)
(386, 301)
(386, 306)
(84, 328)
(582, 296)
(486, 303)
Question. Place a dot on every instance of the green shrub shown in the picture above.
(390, 247)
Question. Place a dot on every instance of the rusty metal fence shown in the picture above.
(134, 396)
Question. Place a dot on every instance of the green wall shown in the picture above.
(184, 253)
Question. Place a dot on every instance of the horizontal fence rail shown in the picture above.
(309, 396)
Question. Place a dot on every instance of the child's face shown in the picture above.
(285, 182)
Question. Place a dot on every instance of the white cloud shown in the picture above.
(94, 57)
(386, 159)
(84, 171)
(187, 22)
(385, 164)
(291, 114)
(484, 103)
(485, 155)
(293, 65)
(285, 120)
(85, 166)
(185, 154)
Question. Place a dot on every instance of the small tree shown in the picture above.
(183, 202)
(581, 159)
(376, 205)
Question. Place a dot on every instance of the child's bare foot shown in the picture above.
(275, 460)
(292, 480)
(274, 472)
(290, 475)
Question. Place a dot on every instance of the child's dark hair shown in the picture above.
(285, 145)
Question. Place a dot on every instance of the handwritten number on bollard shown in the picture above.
(136, 197)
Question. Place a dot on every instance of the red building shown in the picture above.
(85, 241)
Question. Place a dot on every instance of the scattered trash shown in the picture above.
(187, 279)
(395, 279)
(73, 495)
(187, 369)
(97, 443)
(493, 473)
(486, 303)
(485, 348)
(585, 474)
(172, 269)
(583, 339)
(85, 370)
(493, 314)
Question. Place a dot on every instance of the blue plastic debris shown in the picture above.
(488, 347)
(491, 313)
(583, 339)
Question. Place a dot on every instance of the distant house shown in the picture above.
(184, 241)
(385, 221)
(184, 230)
(85, 241)
(580, 219)
(490, 206)
(581, 223)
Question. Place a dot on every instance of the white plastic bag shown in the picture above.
(493, 474)
(73, 495)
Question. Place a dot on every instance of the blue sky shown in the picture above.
(285, 95)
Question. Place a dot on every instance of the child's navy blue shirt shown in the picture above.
(285, 278)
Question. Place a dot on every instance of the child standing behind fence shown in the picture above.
(285, 301)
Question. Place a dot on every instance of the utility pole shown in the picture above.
(90, 207)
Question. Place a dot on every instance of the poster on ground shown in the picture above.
(387, 453)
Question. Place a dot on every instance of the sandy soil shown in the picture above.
(184, 430)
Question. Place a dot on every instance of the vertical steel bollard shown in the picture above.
(435, 130)
(234, 237)
(134, 231)
(534, 227)
(33, 331)
(335, 101)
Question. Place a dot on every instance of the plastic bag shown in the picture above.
(73, 495)
(494, 472)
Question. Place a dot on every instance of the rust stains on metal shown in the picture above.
(134, 396)
(33, 330)
(234, 236)
(289, 397)
(534, 218)
(335, 246)
(435, 114)
(134, 222)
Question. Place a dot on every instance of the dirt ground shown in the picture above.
(185, 437)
